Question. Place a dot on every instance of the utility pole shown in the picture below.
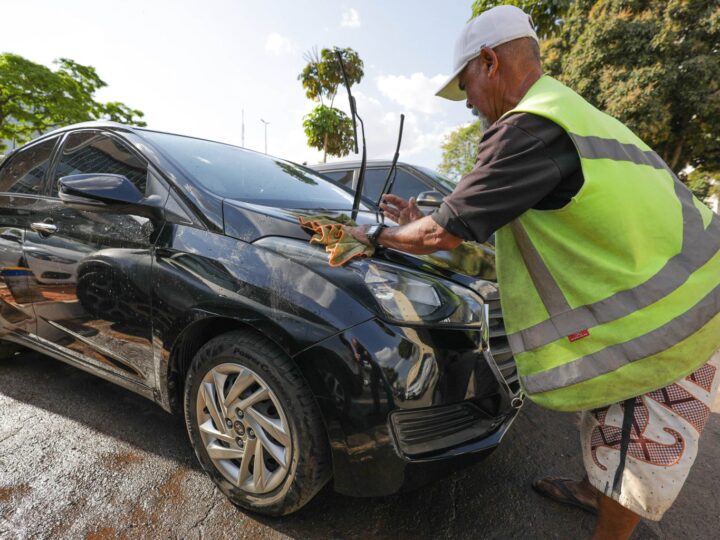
(243, 128)
(266, 125)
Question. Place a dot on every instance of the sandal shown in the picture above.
(556, 489)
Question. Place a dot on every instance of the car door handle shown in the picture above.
(44, 228)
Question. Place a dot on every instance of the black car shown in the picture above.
(407, 180)
(176, 267)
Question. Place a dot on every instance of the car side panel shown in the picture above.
(92, 275)
(198, 274)
(18, 288)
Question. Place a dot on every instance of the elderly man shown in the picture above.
(609, 271)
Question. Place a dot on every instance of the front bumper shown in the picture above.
(404, 406)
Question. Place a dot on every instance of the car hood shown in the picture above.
(467, 264)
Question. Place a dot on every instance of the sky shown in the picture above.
(193, 66)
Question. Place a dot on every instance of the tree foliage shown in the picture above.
(34, 98)
(460, 150)
(654, 65)
(547, 16)
(704, 184)
(322, 76)
(329, 129)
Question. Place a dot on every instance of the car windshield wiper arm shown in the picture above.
(390, 179)
(355, 115)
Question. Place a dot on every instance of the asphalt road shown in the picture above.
(82, 458)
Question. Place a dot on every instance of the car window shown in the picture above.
(24, 172)
(344, 178)
(374, 182)
(92, 152)
(439, 178)
(406, 185)
(244, 175)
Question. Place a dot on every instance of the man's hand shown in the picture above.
(421, 236)
(360, 233)
(400, 210)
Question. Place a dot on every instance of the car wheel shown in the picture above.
(254, 424)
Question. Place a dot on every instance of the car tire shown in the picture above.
(283, 426)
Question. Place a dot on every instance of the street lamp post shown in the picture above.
(266, 125)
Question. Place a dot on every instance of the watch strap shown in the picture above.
(374, 233)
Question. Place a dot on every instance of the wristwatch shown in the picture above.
(373, 233)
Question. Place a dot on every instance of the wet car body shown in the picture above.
(402, 403)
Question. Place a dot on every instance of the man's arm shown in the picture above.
(521, 160)
(418, 237)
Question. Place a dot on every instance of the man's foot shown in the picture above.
(578, 493)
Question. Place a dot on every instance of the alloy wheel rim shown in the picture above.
(244, 429)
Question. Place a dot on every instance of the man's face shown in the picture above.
(478, 87)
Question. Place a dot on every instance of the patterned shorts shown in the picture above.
(663, 442)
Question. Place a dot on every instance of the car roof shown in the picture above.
(107, 124)
(117, 126)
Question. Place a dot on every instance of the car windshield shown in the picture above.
(244, 175)
(439, 178)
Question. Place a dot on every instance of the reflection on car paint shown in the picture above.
(85, 300)
(16, 283)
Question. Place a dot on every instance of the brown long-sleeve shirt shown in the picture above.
(524, 161)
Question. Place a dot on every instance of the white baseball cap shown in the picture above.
(491, 28)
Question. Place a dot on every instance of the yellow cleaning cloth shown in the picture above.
(340, 244)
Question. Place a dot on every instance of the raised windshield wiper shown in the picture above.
(354, 114)
(388, 184)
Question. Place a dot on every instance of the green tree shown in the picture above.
(547, 16)
(34, 98)
(654, 65)
(330, 130)
(704, 184)
(460, 150)
(327, 128)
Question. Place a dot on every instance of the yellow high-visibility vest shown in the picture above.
(617, 293)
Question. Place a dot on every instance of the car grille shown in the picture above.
(425, 431)
(500, 347)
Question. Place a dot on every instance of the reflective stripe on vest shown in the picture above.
(565, 321)
(617, 356)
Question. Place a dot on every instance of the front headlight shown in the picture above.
(408, 297)
(403, 296)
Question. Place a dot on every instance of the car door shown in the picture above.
(21, 180)
(93, 268)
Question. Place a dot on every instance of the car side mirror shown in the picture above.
(431, 199)
(110, 193)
